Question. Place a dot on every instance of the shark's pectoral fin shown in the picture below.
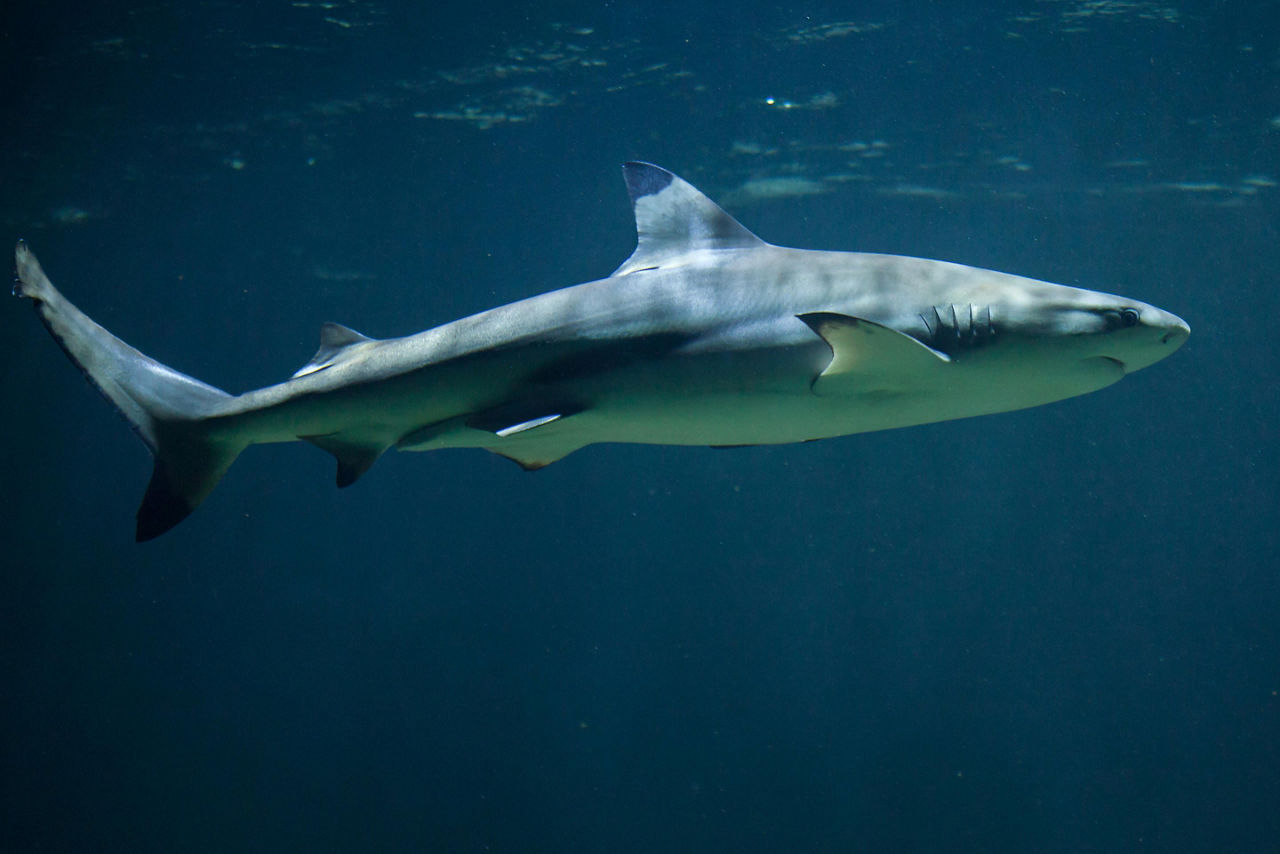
(868, 356)
(355, 456)
(335, 340)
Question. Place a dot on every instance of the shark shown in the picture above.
(706, 335)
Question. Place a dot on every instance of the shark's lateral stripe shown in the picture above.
(706, 335)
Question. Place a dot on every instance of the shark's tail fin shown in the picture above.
(168, 410)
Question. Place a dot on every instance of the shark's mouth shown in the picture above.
(1110, 361)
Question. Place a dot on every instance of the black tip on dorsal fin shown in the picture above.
(673, 219)
(645, 179)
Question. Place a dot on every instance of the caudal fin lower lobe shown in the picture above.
(167, 409)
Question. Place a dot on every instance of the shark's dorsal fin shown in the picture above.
(334, 338)
(673, 218)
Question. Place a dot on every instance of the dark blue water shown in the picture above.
(1053, 630)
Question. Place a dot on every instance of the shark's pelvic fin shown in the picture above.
(165, 408)
(521, 416)
(532, 459)
(867, 353)
(523, 426)
(335, 339)
(524, 430)
(528, 430)
(673, 219)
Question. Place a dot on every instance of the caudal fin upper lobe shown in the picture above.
(168, 410)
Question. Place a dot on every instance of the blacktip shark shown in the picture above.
(706, 335)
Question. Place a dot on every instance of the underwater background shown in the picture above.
(1052, 630)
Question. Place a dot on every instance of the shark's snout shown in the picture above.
(1177, 333)
(1158, 336)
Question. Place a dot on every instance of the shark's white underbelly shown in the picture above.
(768, 397)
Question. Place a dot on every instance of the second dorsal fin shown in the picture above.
(334, 339)
(673, 218)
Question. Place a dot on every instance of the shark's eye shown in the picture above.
(1129, 317)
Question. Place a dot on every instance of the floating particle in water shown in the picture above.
(776, 187)
(1014, 163)
(833, 30)
(919, 191)
(70, 215)
(753, 148)
(1196, 186)
(820, 101)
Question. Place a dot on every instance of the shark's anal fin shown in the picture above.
(335, 339)
(673, 219)
(869, 356)
(355, 456)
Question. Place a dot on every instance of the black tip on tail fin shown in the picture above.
(186, 471)
(162, 507)
(168, 410)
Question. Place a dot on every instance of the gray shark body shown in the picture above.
(706, 335)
